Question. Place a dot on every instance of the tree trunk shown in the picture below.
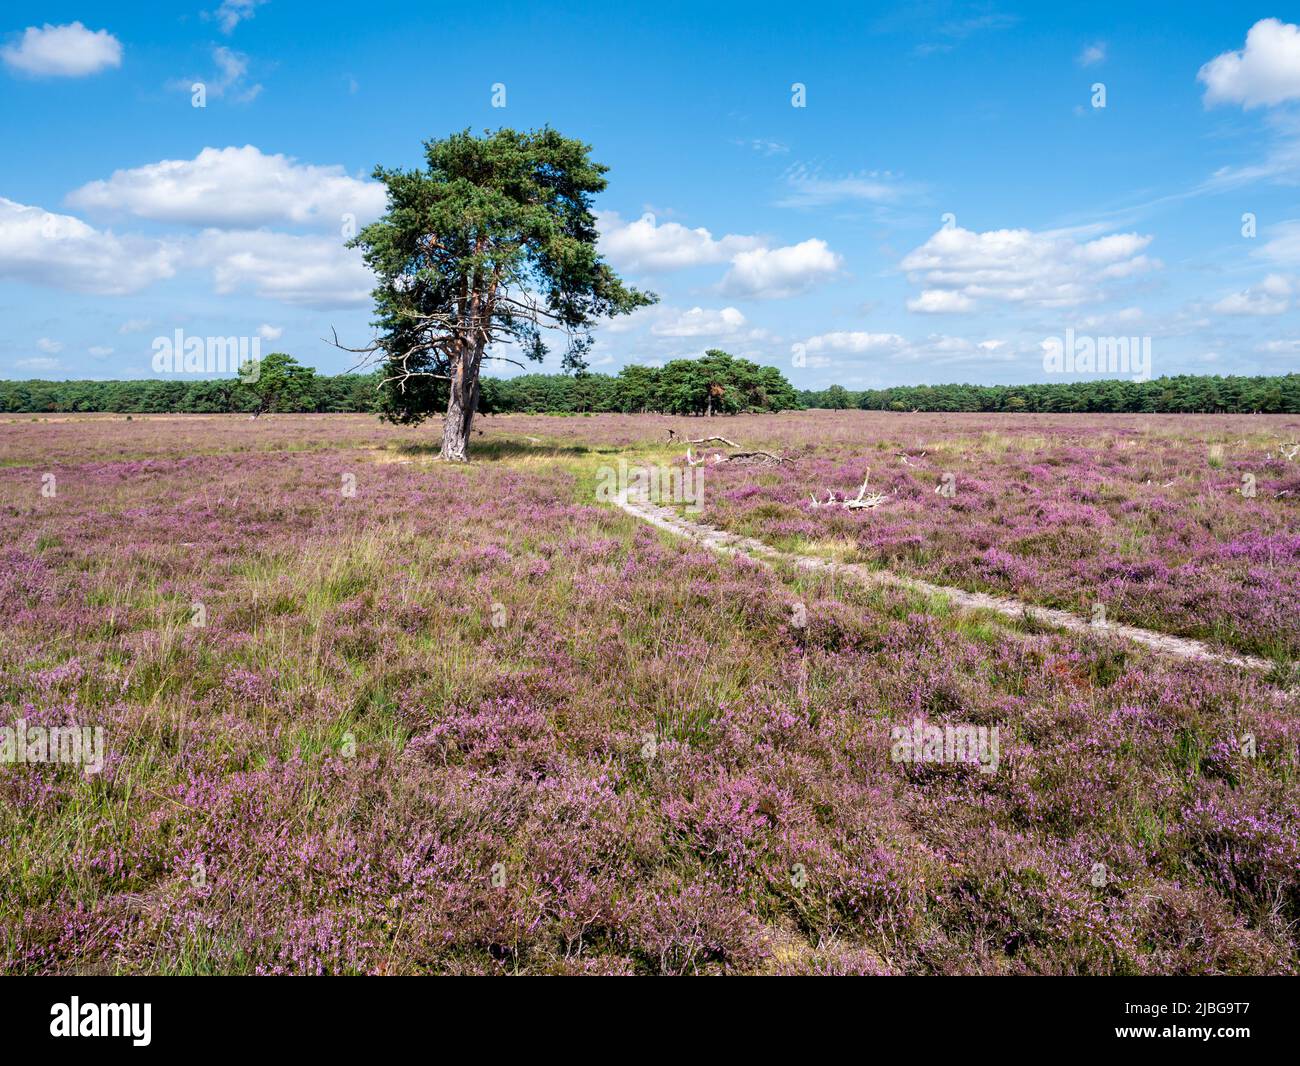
(462, 402)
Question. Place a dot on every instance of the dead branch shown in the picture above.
(861, 502)
(754, 458)
(720, 440)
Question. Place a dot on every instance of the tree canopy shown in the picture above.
(492, 243)
(640, 389)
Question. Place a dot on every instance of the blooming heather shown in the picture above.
(468, 720)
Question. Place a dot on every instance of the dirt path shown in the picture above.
(732, 544)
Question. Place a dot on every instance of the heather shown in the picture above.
(444, 719)
(1183, 525)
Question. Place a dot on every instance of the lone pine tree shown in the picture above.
(493, 243)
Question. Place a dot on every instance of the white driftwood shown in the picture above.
(860, 502)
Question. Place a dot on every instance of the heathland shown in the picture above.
(367, 712)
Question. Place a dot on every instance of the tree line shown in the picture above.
(718, 383)
(1181, 394)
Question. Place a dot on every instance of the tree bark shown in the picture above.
(462, 403)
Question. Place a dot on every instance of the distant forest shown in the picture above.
(715, 384)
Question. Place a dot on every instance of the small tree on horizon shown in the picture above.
(281, 383)
(495, 241)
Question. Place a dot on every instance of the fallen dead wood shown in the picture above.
(861, 502)
(758, 458)
(753, 457)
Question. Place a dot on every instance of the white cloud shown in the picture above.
(230, 79)
(1284, 245)
(665, 321)
(855, 342)
(647, 246)
(700, 322)
(235, 187)
(43, 248)
(1093, 54)
(134, 325)
(757, 270)
(1287, 347)
(63, 252)
(773, 273)
(313, 272)
(768, 147)
(808, 188)
(70, 51)
(99, 351)
(940, 302)
(49, 347)
(270, 333)
(1272, 296)
(38, 363)
(959, 267)
(1264, 73)
(937, 348)
(232, 12)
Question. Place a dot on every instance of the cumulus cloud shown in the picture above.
(315, 272)
(270, 333)
(1272, 296)
(69, 51)
(940, 302)
(1264, 73)
(49, 347)
(234, 187)
(958, 268)
(773, 273)
(649, 246)
(757, 270)
(62, 251)
(821, 350)
(855, 342)
(37, 363)
(700, 322)
(663, 320)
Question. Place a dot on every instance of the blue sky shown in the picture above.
(948, 199)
